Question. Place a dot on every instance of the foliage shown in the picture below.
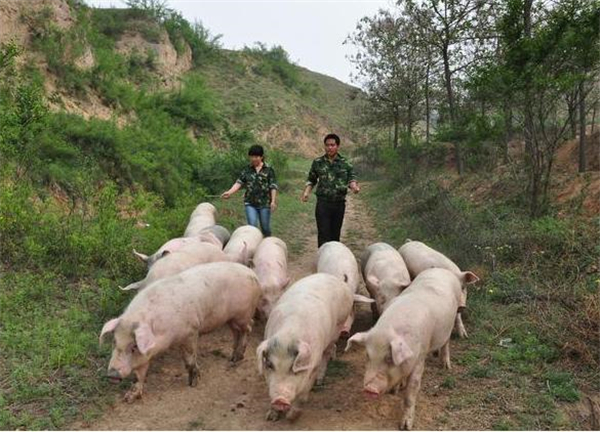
(274, 62)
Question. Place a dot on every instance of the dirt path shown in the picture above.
(236, 398)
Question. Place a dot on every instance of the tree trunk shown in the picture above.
(529, 132)
(572, 112)
(593, 118)
(409, 122)
(582, 161)
(427, 113)
(396, 127)
(451, 108)
(507, 129)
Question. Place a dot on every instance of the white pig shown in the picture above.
(270, 266)
(174, 311)
(186, 256)
(215, 234)
(243, 243)
(385, 275)
(300, 338)
(417, 322)
(419, 257)
(337, 259)
(204, 215)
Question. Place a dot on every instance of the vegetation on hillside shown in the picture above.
(479, 75)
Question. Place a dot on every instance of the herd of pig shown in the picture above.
(209, 278)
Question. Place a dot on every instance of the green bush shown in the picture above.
(562, 386)
(275, 63)
(194, 105)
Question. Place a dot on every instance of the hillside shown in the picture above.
(249, 94)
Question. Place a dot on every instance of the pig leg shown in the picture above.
(293, 414)
(274, 415)
(375, 312)
(240, 340)
(413, 384)
(138, 388)
(345, 328)
(189, 351)
(445, 355)
(296, 409)
(459, 326)
(328, 354)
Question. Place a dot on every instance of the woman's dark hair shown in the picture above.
(256, 150)
(332, 136)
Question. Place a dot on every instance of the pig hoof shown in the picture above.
(293, 414)
(132, 396)
(273, 415)
(235, 358)
(193, 378)
(406, 424)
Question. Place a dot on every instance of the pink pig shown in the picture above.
(174, 311)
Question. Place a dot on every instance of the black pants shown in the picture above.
(330, 216)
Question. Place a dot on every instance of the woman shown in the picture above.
(260, 198)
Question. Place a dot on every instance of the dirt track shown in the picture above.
(236, 398)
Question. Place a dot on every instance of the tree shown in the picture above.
(392, 66)
(456, 30)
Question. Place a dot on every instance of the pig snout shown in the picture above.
(280, 404)
(371, 392)
(114, 376)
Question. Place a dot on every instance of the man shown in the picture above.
(333, 175)
(260, 198)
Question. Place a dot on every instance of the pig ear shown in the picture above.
(400, 351)
(358, 338)
(144, 338)
(302, 361)
(373, 280)
(133, 286)
(109, 327)
(469, 277)
(362, 299)
(261, 352)
(244, 253)
(141, 256)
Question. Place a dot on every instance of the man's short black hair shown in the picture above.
(332, 136)
(256, 150)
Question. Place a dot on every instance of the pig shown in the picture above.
(419, 257)
(385, 275)
(203, 216)
(174, 311)
(215, 234)
(186, 256)
(299, 340)
(415, 323)
(243, 244)
(337, 259)
(270, 266)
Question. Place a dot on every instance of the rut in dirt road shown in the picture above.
(237, 398)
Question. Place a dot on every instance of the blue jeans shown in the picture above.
(254, 215)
